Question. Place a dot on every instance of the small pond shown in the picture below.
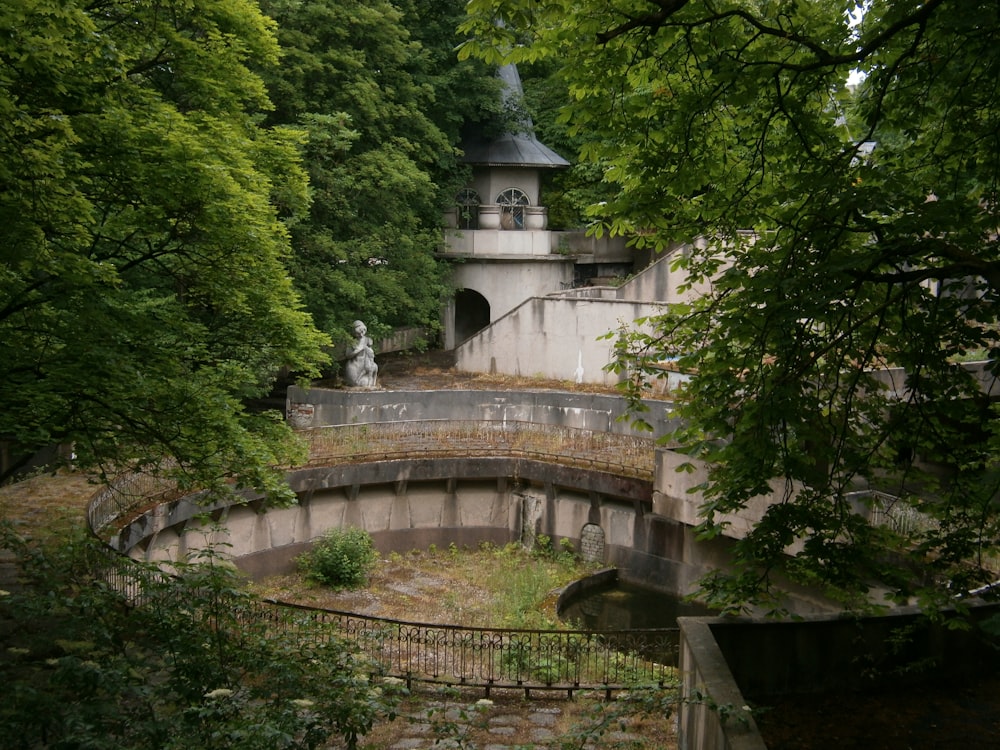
(626, 606)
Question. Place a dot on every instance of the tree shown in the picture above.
(567, 193)
(379, 93)
(827, 260)
(143, 288)
(199, 664)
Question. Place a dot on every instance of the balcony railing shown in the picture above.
(483, 657)
(625, 455)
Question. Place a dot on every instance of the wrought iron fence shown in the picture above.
(489, 658)
(627, 455)
(483, 657)
(493, 657)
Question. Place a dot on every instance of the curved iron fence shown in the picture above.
(627, 455)
(492, 657)
(482, 657)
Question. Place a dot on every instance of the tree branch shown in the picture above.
(652, 21)
(824, 57)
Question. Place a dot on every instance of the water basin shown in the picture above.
(627, 606)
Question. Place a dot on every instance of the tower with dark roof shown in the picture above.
(498, 227)
(504, 191)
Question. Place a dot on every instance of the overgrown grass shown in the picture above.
(523, 584)
(490, 585)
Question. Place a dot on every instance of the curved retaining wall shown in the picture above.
(413, 503)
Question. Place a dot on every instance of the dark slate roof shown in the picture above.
(521, 149)
(510, 149)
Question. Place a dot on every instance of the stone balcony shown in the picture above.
(527, 243)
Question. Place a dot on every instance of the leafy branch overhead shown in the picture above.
(143, 292)
(833, 167)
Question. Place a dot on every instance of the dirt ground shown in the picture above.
(430, 586)
(46, 502)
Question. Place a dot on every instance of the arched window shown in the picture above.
(467, 202)
(512, 202)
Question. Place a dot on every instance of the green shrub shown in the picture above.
(196, 663)
(342, 558)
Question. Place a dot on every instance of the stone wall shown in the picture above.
(320, 407)
(554, 337)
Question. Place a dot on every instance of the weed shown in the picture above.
(341, 558)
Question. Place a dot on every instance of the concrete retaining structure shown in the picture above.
(323, 407)
(675, 495)
(738, 662)
(414, 503)
(552, 337)
(708, 685)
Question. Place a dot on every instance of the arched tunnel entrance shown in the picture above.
(472, 314)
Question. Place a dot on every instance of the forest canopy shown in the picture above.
(198, 196)
(833, 168)
(144, 236)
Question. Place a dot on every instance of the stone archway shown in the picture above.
(472, 314)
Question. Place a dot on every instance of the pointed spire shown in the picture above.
(520, 149)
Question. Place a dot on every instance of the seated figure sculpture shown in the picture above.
(360, 369)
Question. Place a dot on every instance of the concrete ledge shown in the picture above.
(711, 715)
(600, 579)
(729, 663)
(321, 407)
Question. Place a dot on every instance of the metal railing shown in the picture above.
(570, 660)
(481, 657)
(491, 657)
(891, 511)
(627, 455)
(487, 658)
(118, 501)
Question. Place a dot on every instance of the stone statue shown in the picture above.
(360, 370)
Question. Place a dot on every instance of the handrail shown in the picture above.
(627, 455)
(483, 657)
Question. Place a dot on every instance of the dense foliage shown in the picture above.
(194, 666)
(849, 230)
(143, 291)
(377, 89)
